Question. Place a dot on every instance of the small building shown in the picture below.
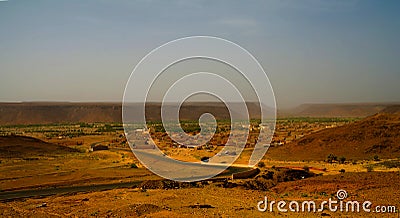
(98, 147)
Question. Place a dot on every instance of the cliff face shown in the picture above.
(44, 113)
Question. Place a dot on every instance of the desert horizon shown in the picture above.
(199, 108)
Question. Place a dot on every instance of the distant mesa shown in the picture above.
(60, 112)
(65, 112)
(392, 109)
(48, 112)
(336, 110)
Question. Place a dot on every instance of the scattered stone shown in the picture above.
(42, 205)
(143, 209)
(201, 206)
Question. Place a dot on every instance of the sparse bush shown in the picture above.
(284, 195)
(390, 163)
(323, 194)
(376, 158)
(134, 166)
(80, 149)
(261, 164)
(96, 213)
(342, 160)
(370, 168)
(342, 170)
(259, 184)
(331, 158)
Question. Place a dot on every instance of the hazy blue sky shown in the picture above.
(313, 51)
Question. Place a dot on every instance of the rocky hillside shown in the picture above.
(378, 134)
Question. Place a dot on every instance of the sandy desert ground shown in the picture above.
(48, 170)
